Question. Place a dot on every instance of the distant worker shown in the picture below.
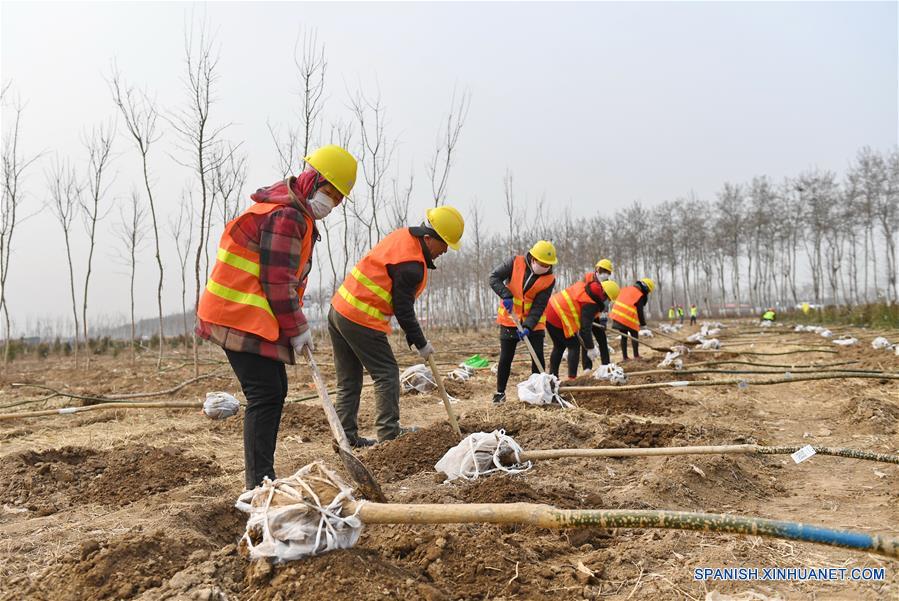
(602, 272)
(806, 308)
(627, 313)
(253, 302)
(769, 315)
(385, 284)
(672, 314)
(524, 284)
(694, 312)
(680, 314)
(569, 321)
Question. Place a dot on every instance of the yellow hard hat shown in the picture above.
(336, 165)
(545, 252)
(649, 284)
(448, 223)
(604, 264)
(611, 289)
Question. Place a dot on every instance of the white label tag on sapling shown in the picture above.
(803, 453)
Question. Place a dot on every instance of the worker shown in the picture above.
(769, 315)
(253, 302)
(524, 285)
(385, 284)
(569, 321)
(672, 314)
(602, 271)
(694, 312)
(627, 313)
(680, 314)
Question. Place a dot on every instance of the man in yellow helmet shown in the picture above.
(385, 284)
(627, 313)
(253, 302)
(524, 284)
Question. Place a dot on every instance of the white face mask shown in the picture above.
(602, 276)
(321, 204)
(538, 268)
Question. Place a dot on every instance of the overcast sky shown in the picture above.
(594, 105)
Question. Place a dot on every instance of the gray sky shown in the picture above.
(594, 105)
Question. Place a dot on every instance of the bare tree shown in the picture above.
(509, 206)
(376, 154)
(99, 150)
(14, 164)
(309, 58)
(131, 231)
(140, 114)
(65, 195)
(198, 138)
(182, 232)
(439, 166)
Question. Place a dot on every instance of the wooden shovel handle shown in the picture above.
(330, 411)
(446, 402)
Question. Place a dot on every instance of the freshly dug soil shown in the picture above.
(49, 481)
(410, 454)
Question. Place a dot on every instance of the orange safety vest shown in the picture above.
(234, 296)
(624, 310)
(522, 301)
(365, 295)
(567, 305)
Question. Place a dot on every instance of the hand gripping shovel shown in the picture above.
(358, 472)
(531, 350)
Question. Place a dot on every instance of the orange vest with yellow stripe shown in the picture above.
(624, 310)
(521, 300)
(568, 304)
(234, 296)
(365, 295)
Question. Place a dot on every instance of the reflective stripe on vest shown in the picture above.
(364, 297)
(624, 310)
(523, 301)
(568, 304)
(234, 296)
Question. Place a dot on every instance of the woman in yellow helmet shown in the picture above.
(602, 272)
(253, 302)
(524, 284)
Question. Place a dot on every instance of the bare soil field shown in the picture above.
(138, 503)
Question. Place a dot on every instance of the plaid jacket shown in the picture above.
(278, 238)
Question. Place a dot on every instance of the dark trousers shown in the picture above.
(264, 384)
(356, 348)
(603, 343)
(508, 342)
(625, 331)
(560, 344)
(692, 319)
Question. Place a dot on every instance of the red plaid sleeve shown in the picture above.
(280, 245)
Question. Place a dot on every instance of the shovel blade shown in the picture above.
(370, 488)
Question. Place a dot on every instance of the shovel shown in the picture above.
(446, 402)
(358, 472)
(531, 350)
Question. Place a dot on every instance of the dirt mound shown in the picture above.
(652, 401)
(346, 574)
(410, 454)
(709, 482)
(880, 415)
(531, 427)
(219, 521)
(636, 434)
(49, 481)
(120, 568)
(505, 488)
